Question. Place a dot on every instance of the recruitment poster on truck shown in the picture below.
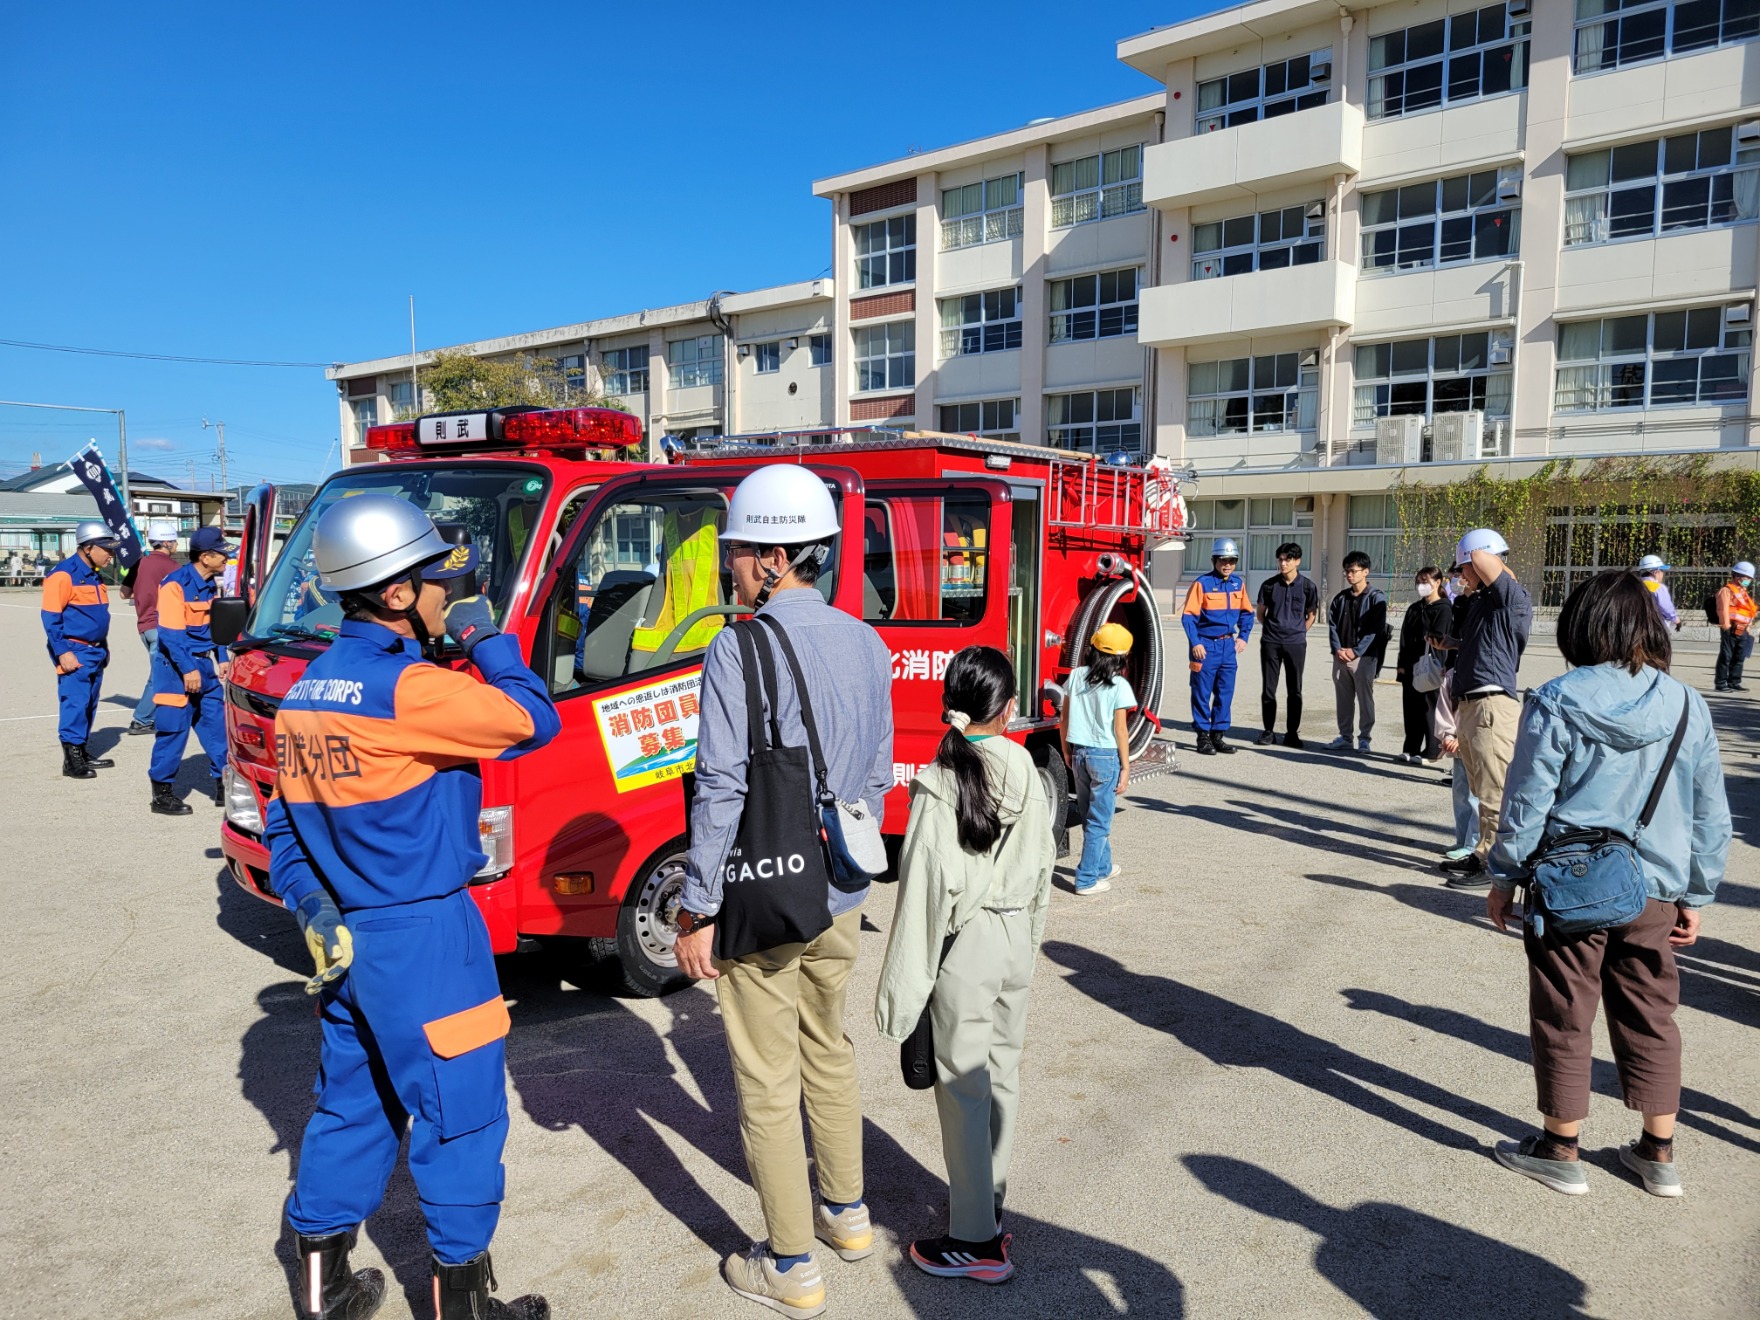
(650, 732)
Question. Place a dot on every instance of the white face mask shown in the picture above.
(1423, 593)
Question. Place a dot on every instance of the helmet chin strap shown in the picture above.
(772, 577)
(413, 615)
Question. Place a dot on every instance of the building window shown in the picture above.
(996, 418)
(1610, 33)
(1270, 393)
(574, 374)
(366, 413)
(1264, 93)
(1097, 187)
(981, 323)
(1451, 373)
(820, 347)
(1693, 181)
(694, 361)
(1654, 360)
(1271, 240)
(886, 252)
(1095, 421)
(981, 212)
(1268, 523)
(1446, 61)
(1438, 224)
(400, 394)
(626, 371)
(1100, 306)
(886, 356)
(768, 357)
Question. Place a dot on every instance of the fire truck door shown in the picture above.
(935, 579)
(1025, 639)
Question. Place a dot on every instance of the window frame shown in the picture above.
(770, 351)
(997, 328)
(1302, 394)
(905, 353)
(1095, 424)
(619, 367)
(881, 494)
(1104, 198)
(991, 425)
(1445, 59)
(1731, 342)
(1260, 104)
(703, 367)
(890, 262)
(1742, 161)
(1094, 315)
(993, 221)
(1382, 385)
(819, 346)
(1437, 220)
(1209, 263)
(1667, 40)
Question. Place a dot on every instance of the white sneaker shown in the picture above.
(1098, 887)
(1339, 744)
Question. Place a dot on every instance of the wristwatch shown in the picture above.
(690, 922)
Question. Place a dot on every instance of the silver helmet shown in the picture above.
(94, 531)
(362, 541)
(1224, 548)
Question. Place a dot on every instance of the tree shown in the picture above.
(458, 382)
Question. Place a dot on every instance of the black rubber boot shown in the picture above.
(1219, 743)
(96, 762)
(73, 762)
(219, 793)
(328, 1289)
(1205, 746)
(461, 1292)
(165, 802)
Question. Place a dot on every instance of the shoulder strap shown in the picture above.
(755, 694)
(800, 688)
(1674, 747)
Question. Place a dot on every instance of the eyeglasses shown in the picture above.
(737, 548)
(1356, 568)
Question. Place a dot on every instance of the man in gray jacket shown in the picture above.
(783, 1007)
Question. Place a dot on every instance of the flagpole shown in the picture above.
(122, 462)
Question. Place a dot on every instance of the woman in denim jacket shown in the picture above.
(1589, 748)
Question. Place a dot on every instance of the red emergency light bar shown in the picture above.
(510, 428)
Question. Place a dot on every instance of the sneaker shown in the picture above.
(1468, 883)
(1565, 1176)
(1101, 885)
(140, 727)
(1659, 1179)
(1339, 744)
(798, 1292)
(848, 1232)
(1468, 863)
(1290, 740)
(1266, 739)
(1736, 687)
(1363, 743)
(1456, 854)
(950, 1258)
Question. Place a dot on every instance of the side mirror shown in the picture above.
(226, 619)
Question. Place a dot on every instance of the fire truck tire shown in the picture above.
(642, 947)
(1054, 775)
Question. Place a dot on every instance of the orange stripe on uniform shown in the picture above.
(460, 1033)
(332, 760)
(1194, 600)
(450, 714)
(89, 593)
(57, 592)
(171, 606)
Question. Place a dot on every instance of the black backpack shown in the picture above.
(1711, 606)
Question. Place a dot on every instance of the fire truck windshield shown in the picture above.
(496, 504)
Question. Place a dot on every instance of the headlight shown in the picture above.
(495, 831)
(242, 811)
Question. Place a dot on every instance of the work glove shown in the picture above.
(469, 622)
(329, 941)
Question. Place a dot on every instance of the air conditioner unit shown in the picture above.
(1519, 8)
(1749, 131)
(1456, 437)
(1509, 188)
(1500, 355)
(1399, 440)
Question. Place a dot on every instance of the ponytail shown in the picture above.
(976, 690)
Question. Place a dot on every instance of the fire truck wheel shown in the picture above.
(1054, 774)
(646, 926)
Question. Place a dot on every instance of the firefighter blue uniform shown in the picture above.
(186, 647)
(1217, 612)
(376, 805)
(76, 617)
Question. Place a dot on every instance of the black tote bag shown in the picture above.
(774, 879)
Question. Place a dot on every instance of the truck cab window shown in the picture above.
(926, 558)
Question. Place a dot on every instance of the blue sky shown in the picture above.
(273, 181)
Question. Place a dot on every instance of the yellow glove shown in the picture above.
(330, 943)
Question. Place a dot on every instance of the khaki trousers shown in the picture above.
(1353, 684)
(783, 1012)
(1486, 731)
(979, 1010)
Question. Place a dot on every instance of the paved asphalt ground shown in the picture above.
(1264, 1073)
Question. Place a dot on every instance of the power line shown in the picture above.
(158, 357)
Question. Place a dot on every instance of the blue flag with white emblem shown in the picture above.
(88, 466)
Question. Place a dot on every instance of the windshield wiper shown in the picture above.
(300, 631)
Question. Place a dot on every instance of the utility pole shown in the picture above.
(415, 387)
(220, 429)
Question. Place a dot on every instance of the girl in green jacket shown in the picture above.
(976, 865)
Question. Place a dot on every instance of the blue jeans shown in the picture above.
(1466, 808)
(1096, 771)
(143, 709)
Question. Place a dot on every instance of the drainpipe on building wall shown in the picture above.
(1325, 542)
(1515, 271)
(1151, 355)
(1343, 63)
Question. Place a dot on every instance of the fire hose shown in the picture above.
(1146, 667)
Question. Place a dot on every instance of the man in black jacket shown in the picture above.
(1288, 605)
(1356, 623)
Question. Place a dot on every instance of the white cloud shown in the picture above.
(152, 442)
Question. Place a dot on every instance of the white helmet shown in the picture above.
(364, 540)
(1651, 563)
(1480, 538)
(1742, 569)
(782, 504)
(160, 530)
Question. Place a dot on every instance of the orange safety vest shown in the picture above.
(1741, 609)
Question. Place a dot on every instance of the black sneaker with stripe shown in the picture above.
(953, 1258)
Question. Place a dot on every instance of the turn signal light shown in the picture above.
(594, 428)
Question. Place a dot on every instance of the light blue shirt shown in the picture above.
(1091, 709)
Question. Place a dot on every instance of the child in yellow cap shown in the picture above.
(1097, 748)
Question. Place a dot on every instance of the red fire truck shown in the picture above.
(608, 571)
